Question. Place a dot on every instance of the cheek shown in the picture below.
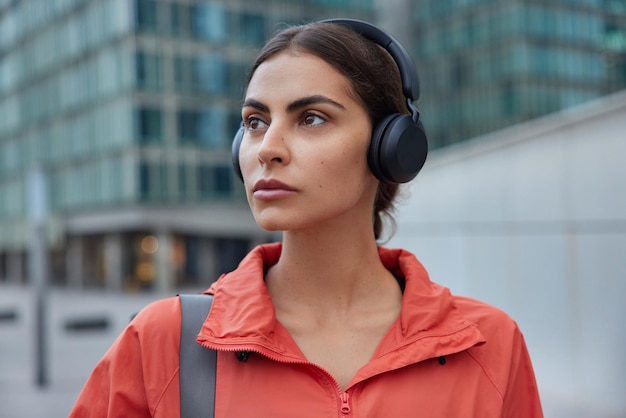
(347, 167)
(344, 170)
(246, 159)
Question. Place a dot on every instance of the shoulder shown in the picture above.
(490, 319)
(160, 318)
(500, 331)
(155, 330)
(504, 350)
(166, 309)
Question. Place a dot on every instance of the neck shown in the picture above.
(327, 271)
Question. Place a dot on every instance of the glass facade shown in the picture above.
(490, 64)
(128, 104)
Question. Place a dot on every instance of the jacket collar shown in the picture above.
(242, 317)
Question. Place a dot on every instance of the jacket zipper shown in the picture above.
(344, 397)
(345, 403)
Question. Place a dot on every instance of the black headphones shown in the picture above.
(399, 146)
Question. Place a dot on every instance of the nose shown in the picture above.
(273, 148)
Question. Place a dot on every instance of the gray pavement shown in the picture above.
(71, 355)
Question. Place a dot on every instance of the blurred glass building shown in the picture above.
(488, 64)
(129, 107)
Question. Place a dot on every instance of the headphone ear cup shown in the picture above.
(398, 149)
(235, 151)
(373, 154)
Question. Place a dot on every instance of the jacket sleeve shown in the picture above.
(521, 398)
(138, 375)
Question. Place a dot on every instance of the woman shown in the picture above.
(326, 323)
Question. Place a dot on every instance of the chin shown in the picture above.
(271, 228)
(271, 224)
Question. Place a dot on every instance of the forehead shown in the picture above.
(292, 73)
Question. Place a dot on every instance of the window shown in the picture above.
(206, 127)
(236, 78)
(205, 180)
(152, 181)
(184, 189)
(252, 28)
(187, 121)
(619, 70)
(210, 73)
(210, 22)
(614, 36)
(181, 19)
(149, 125)
(460, 72)
(508, 99)
(148, 67)
(146, 15)
(183, 74)
(222, 180)
(215, 181)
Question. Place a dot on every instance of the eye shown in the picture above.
(254, 124)
(311, 119)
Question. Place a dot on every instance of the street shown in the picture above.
(94, 318)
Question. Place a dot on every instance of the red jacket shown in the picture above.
(445, 357)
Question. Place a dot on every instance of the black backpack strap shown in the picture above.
(197, 364)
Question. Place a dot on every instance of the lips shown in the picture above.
(271, 189)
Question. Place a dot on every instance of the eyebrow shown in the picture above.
(296, 104)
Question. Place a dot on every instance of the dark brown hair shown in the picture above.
(373, 75)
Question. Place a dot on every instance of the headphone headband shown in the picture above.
(406, 66)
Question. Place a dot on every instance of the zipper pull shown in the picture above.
(345, 403)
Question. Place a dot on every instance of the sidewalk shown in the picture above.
(71, 354)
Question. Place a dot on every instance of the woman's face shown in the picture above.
(304, 152)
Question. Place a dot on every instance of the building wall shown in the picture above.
(532, 219)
